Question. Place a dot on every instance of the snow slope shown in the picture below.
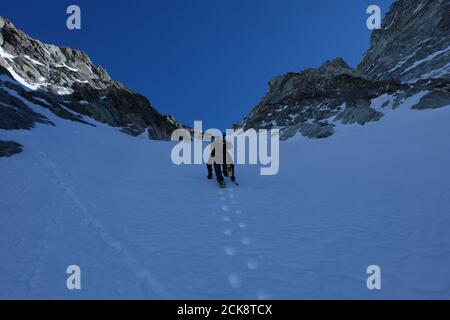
(142, 228)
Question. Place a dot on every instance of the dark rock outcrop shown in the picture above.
(359, 112)
(9, 148)
(15, 114)
(309, 102)
(433, 100)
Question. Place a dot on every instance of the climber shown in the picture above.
(222, 161)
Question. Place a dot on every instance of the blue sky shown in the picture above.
(205, 60)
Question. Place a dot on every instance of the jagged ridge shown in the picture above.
(413, 42)
(314, 101)
(71, 86)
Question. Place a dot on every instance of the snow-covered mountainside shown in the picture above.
(140, 227)
(67, 83)
(75, 190)
(315, 101)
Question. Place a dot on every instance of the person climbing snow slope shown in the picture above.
(222, 161)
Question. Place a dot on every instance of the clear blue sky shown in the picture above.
(204, 60)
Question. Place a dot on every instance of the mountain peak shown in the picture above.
(68, 81)
(338, 63)
(412, 44)
(6, 22)
(335, 67)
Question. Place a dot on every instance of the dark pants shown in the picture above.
(218, 170)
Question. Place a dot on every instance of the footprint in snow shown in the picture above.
(228, 232)
(242, 225)
(252, 264)
(225, 208)
(245, 241)
(226, 219)
(230, 251)
(264, 296)
(235, 281)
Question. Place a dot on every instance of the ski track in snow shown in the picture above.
(51, 224)
(148, 283)
(30, 280)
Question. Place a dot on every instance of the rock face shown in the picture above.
(311, 101)
(9, 148)
(14, 113)
(314, 101)
(67, 83)
(413, 42)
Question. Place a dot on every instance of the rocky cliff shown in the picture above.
(413, 42)
(313, 102)
(67, 83)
